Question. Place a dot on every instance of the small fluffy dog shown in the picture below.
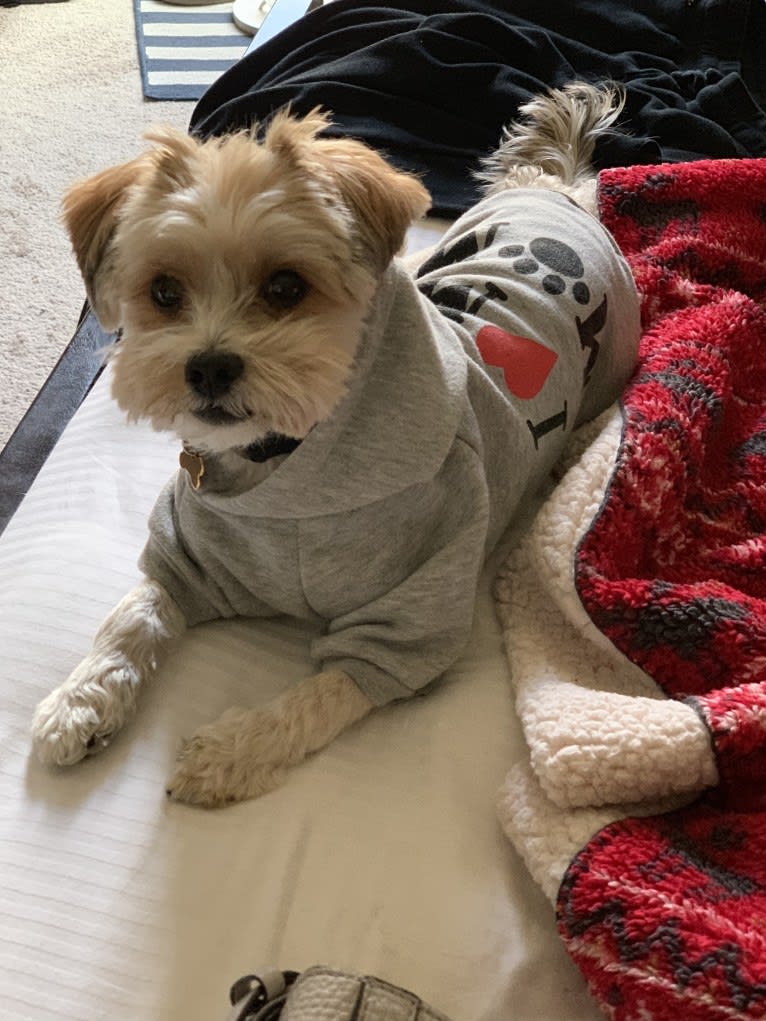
(355, 439)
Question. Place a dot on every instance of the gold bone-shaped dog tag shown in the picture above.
(192, 462)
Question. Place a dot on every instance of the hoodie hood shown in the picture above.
(393, 428)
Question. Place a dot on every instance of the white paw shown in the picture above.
(80, 717)
(236, 758)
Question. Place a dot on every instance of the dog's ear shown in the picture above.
(384, 201)
(90, 210)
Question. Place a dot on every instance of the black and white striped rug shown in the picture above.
(182, 50)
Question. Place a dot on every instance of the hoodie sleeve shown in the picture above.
(402, 582)
(186, 554)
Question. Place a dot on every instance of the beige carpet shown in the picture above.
(71, 105)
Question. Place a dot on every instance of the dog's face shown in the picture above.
(239, 272)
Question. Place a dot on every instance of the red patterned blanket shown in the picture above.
(666, 916)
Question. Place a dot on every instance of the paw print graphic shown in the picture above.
(559, 261)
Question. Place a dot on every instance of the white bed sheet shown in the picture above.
(382, 854)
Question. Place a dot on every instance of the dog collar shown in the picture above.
(272, 445)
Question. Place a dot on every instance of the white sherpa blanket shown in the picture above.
(604, 740)
(644, 817)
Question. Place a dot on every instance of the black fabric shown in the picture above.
(38, 432)
(431, 82)
(272, 445)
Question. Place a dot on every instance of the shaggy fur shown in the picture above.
(551, 145)
(225, 342)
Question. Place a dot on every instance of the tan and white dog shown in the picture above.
(355, 439)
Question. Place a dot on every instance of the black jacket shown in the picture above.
(432, 82)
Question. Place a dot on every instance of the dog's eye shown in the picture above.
(167, 293)
(284, 289)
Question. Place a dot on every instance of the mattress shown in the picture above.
(382, 854)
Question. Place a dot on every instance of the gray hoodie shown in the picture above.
(466, 385)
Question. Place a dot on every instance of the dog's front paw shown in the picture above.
(80, 717)
(238, 757)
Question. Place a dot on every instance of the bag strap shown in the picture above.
(327, 993)
(260, 997)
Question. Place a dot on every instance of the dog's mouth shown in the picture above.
(214, 414)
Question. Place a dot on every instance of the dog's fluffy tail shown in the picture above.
(554, 138)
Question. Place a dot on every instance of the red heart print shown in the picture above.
(526, 363)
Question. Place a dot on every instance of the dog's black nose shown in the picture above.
(212, 373)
